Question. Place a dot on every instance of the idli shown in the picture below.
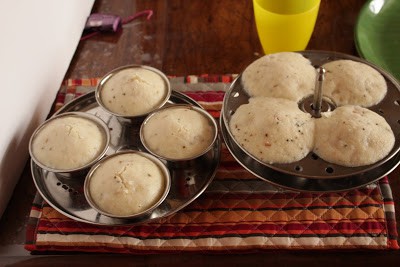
(273, 130)
(286, 75)
(352, 136)
(349, 82)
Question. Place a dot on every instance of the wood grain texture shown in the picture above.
(201, 36)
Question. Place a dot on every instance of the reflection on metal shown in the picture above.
(317, 104)
(376, 5)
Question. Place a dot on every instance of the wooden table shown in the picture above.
(182, 38)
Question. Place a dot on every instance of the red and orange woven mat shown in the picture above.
(237, 213)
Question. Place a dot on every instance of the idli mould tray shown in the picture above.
(66, 194)
(312, 173)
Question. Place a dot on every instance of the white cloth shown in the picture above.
(38, 40)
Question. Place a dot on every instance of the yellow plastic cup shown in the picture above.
(285, 25)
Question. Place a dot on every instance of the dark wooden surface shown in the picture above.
(194, 37)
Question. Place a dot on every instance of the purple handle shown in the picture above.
(102, 22)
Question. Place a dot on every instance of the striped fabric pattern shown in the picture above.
(237, 213)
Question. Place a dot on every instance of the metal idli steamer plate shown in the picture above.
(312, 173)
(66, 195)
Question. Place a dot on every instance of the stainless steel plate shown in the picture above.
(313, 173)
(187, 182)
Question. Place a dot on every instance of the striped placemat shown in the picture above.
(237, 213)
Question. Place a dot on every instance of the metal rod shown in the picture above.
(318, 92)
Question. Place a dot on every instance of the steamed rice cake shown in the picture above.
(286, 75)
(352, 136)
(127, 184)
(68, 142)
(133, 92)
(349, 82)
(273, 130)
(178, 132)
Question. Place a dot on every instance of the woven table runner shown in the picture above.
(237, 213)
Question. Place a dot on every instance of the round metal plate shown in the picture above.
(187, 182)
(311, 168)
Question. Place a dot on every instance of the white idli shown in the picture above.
(178, 133)
(352, 136)
(286, 75)
(68, 142)
(127, 184)
(133, 92)
(349, 82)
(273, 130)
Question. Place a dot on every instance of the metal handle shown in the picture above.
(316, 107)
